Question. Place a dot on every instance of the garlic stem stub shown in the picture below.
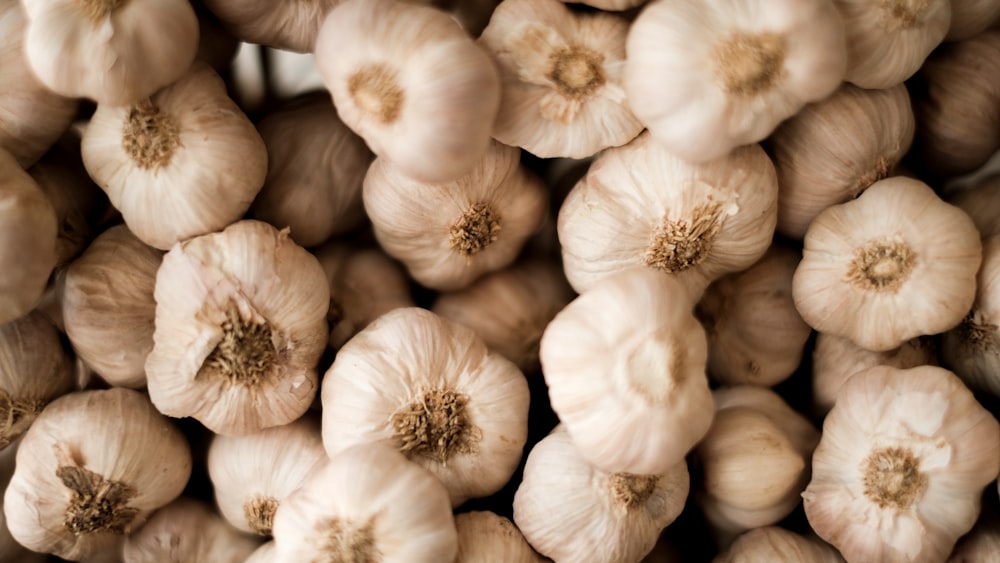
(291, 26)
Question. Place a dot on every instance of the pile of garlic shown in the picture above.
(610, 281)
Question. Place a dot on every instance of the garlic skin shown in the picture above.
(394, 69)
(868, 266)
(484, 537)
(291, 26)
(569, 510)
(449, 234)
(181, 163)
(981, 203)
(187, 531)
(972, 349)
(771, 543)
(92, 468)
(639, 205)
(561, 77)
(971, 17)
(240, 327)
(901, 465)
(367, 503)
(251, 475)
(431, 389)
(115, 53)
(708, 76)
(832, 150)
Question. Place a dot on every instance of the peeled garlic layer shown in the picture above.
(187, 531)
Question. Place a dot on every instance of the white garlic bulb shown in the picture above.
(972, 349)
(282, 25)
(187, 531)
(774, 544)
(484, 537)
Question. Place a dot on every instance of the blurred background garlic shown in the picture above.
(448, 234)
(283, 25)
(485, 537)
(971, 17)
(181, 163)
(431, 389)
(610, 5)
(187, 531)
(772, 543)
(240, 327)
(90, 470)
(981, 202)
(410, 81)
(708, 76)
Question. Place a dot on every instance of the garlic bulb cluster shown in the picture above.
(981, 203)
(708, 76)
(901, 465)
(771, 543)
(484, 537)
(187, 531)
(285, 25)
(240, 326)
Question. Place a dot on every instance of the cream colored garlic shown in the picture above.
(625, 366)
(893, 264)
(430, 388)
(112, 51)
(251, 475)
(639, 205)
(981, 544)
(981, 203)
(187, 531)
(971, 17)
(706, 76)
(410, 81)
(484, 537)
(368, 503)
(832, 150)
(283, 25)
(90, 470)
(316, 166)
(240, 327)
(771, 543)
(568, 510)
(561, 77)
(181, 163)
(108, 307)
(449, 234)
(972, 349)
(901, 465)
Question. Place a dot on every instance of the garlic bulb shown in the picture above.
(568, 510)
(283, 25)
(972, 349)
(771, 543)
(981, 203)
(755, 335)
(971, 17)
(901, 465)
(187, 531)
(240, 327)
(832, 150)
(251, 475)
(368, 503)
(316, 166)
(448, 234)
(639, 205)
(91, 468)
(184, 162)
(869, 265)
(625, 366)
(431, 389)
(108, 307)
(34, 369)
(410, 81)
(561, 71)
(113, 52)
(706, 76)
(510, 309)
(484, 537)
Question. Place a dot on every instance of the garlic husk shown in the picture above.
(251, 475)
(114, 53)
(982, 204)
(971, 17)
(91, 469)
(755, 335)
(510, 309)
(108, 307)
(625, 366)
(901, 465)
(240, 327)
(292, 26)
(639, 205)
(316, 166)
(561, 75)
(708, 76)
(449, 234)
(181, 163)
(187, 531)
(832, 150)
(568, 510)
(484, 537)
(771, 543)
(869, 264)
(367, 503)
(394, 69)
(431, 389)
(264, 554)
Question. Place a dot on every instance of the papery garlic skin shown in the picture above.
(901, 465)
(430, 388)
(706, 77)
(484, 537)
(771, 543)
(240, 327)
(972, 349)
(367, 503)
(291, 26)
(971, 17)
(187, 531)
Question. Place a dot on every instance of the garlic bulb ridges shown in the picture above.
(376, 92)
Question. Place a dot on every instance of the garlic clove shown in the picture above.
(484, 537)
(286, 25)
(771, 543)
